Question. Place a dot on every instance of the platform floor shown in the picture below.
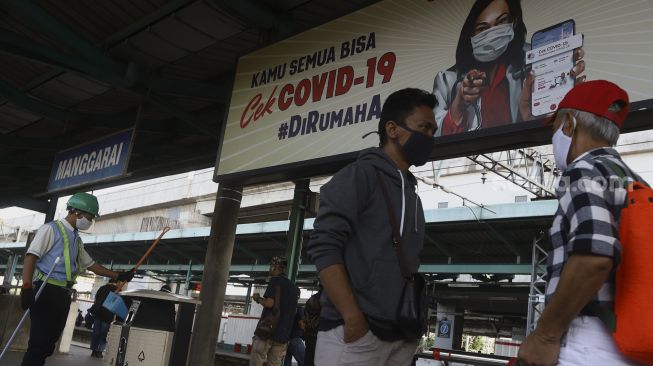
(79, 355)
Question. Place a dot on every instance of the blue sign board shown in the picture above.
(444, 328)
(94, 162)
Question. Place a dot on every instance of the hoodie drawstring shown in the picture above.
(403, 204)
(416, 201)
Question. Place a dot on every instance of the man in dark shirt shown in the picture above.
(272, 350)
(352, 240)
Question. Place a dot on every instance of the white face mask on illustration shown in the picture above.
(491, 43)
(561, 145)
(83, 223)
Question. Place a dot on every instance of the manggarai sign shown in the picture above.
(94, 162)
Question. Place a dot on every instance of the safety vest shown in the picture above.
(61, 235)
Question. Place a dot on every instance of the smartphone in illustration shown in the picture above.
(552, 75)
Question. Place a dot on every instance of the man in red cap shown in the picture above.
(584, 234)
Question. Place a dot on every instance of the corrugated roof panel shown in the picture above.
(181, 35)
(111, 102)
(214, 60)
(29, 31)
(89, 86)
(20, 113)
(128, 52)
(19, 71)
(91, 20)
(57, 92)
(155, 114)
(195, 67)
(10, 120)
(191, 104)
(317, 12)
(206, 19)
(53, 96)
(116, 14)
(155, 46)
(78, 18)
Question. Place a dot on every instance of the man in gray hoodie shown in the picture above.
(351, 244)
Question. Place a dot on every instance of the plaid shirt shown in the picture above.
(591, 195)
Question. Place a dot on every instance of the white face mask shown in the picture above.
(561, 145)
(83, 223)
(492, 43)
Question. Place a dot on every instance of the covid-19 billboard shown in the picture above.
(307, 101)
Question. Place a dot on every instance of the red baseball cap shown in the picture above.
(595, 97)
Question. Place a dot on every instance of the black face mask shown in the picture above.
(418, 147)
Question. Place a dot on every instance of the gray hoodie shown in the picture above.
(352, 227)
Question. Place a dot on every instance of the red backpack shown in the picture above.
(631, 323)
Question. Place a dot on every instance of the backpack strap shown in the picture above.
(607, 316)
(618, 170)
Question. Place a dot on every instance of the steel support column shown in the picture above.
(11, 265)
(188, 274)
(296, 228)
(537, 286)
(248, 299)
(216, 274)
(52, 209)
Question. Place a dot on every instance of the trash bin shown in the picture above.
(156, 332)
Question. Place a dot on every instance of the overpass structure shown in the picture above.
(477, 260)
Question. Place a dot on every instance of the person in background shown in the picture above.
(103, 319)
(89, 319)
(296, 347)
(58, 239)
(168, 312)
(271, 352)
(80, 319)
(311, 326)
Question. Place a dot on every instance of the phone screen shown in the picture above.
(552, 75)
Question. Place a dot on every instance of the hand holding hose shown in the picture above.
(126, 276)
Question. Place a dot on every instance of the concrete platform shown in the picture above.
(78, 356)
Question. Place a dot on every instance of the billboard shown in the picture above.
(97, 161)
(496, 67)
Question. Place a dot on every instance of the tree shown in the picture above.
(477, 344)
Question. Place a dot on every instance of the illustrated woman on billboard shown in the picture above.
(489, 85)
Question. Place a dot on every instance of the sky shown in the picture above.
(10, 212)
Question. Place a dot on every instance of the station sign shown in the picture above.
(97, 161)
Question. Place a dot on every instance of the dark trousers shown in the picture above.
(295, 350)
(48, 315)
(309, 355)
(99, 337)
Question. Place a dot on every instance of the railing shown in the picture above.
(467, 358)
